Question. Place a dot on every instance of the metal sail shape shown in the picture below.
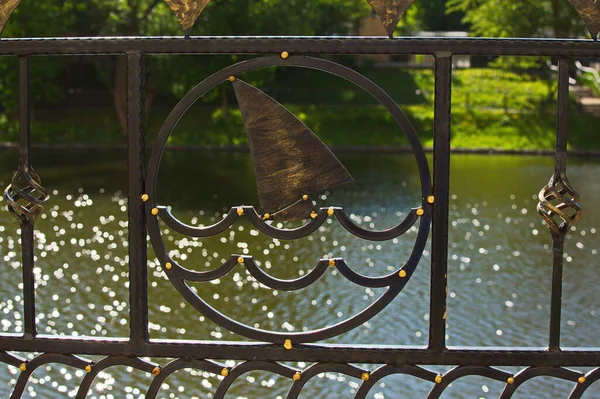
(187, 12)
(290, 161)
(6, 9)
(589, 11)
(390, 12)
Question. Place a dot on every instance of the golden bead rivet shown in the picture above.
(510, 380)
(266, 216)
(156, 371)
(23, 366)
(240, 260)
(168, 265)
(305, 197)
(225, 372)
(231, 78)
(331, 262)
(287, 344)
(313, 214)
(285, 55)
(240, 211)
(145, 197)
(581, 380)
(365, 376)
(154, 211)
(402, 273)
(297, 376)
(420, 212)
(88, 368)
(330, 211)
(431, 199)
(438, 379)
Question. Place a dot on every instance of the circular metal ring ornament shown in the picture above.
(178, 275)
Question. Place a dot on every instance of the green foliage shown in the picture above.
(522, 18)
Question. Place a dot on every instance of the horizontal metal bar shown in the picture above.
(471, 356)
(300, 45)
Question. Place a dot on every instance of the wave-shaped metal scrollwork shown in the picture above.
(25, 195)
(589, 11)
(299, 377)
(287, 234)
(558, 204)
(27, 368)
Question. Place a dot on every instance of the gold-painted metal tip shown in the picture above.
(285, 55)
(510, 380)
(88, 368)
(313, 214)
(332, 262)
(154, 211)
(240, 260)
(287, 344)
(240, 211)
(402, 273)
(581, 380)
(330, 211)
(266, 216)
(225, 372)
(156, 371)
(365, 376)
(23, 366)
(305, 197)
(168, 265)
(231, 78)
(297, 376)
(420, 212)
(431, 199)
(438, 379)
(145, 197)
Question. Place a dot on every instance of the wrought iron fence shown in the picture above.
(268, 350)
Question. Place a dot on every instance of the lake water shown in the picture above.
(499, 267)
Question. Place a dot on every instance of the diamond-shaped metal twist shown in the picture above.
(558, 204)
(25, 195)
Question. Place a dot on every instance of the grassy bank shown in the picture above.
(490, 109)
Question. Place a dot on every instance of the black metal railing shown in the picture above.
(267, 350)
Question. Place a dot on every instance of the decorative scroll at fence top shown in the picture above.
(292, 164)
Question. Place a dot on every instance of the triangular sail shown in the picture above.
(390, 12)
(289, 159)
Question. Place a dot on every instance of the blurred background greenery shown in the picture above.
(505, 102)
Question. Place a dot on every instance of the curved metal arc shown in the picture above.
(373, 235)
(279, 337)
(180, 364)
(12, 360)
(181, 272)
(590, 378)
(319, 368)
(110, 361)
(192, 231)
(245, 367)
(463, 371)
(68, 360)
(387, 370)
(532, 372)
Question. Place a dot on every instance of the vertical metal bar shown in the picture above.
(558, 239)
(441, 187)
(27, 244)
(138, 283)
